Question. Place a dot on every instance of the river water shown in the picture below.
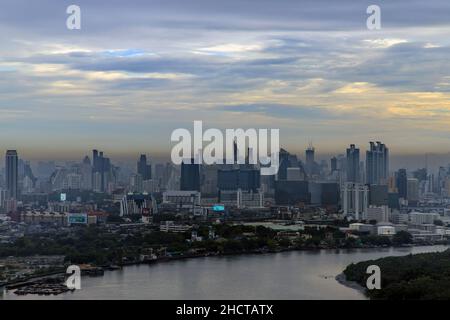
(288, 275)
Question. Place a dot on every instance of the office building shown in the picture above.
(378, 214)
(241, 198)
(412, 191)
(377, 163)
(101, 170)
(393, 200)
(190, 176)
(292, 192)
(182, 200)
(11, 172)
(310, 162)
(378, 195)
(244, 179)
(353, 164)
(402, 183)
(355, 200)
(333, 164)
(86, 174)
(324, 193)
(144, 169)
(423, 218)
(138, 203)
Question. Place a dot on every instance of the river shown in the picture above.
(300, 275)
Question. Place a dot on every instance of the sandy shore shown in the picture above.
(351, 284)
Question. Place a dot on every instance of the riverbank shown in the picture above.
(307, 252)
(290, 275)
(342, 279)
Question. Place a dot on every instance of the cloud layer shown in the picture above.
(139, 69)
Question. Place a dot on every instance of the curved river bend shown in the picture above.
(289, 275)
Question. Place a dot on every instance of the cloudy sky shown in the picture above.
(139, 69)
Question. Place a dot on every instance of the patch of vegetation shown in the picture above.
(423, 276)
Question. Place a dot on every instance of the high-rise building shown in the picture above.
(402, 183)
(441, 181)
(333, 164)
(412, 190)
(284, 164)
(309, 156)
(190, 176)
(11, 166)
(86, 174)
(159, 175)
(353, 164)
(362, 172)
(355, 200)
(144, 169)
(28, 178)
(136, 183)
(377, 163)
(288, 160)
(101, 169)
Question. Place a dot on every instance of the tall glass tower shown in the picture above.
(353, 164)
(11, 165)
(377, 163)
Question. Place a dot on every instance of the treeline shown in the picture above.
(99, 246)
(423, 276)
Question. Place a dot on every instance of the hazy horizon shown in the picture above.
(409, 161)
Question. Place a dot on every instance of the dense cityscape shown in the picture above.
(103, 216)
(188, 153)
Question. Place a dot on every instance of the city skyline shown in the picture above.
(250, 151)
(312, 69)
(396, 161)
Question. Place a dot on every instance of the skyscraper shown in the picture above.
(284, 164)
(190, 176)
(402, 183)
(144, 169)
(355, 200)
(377, 163)
(353, 164)
(309, 163)
(101, 167)
(86, 174)
(333, 164)
(11, 166)
(412, 191)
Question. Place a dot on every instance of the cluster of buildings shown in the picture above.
(355, 190)
(422, 226)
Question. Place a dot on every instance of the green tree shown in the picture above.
(402, 237)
